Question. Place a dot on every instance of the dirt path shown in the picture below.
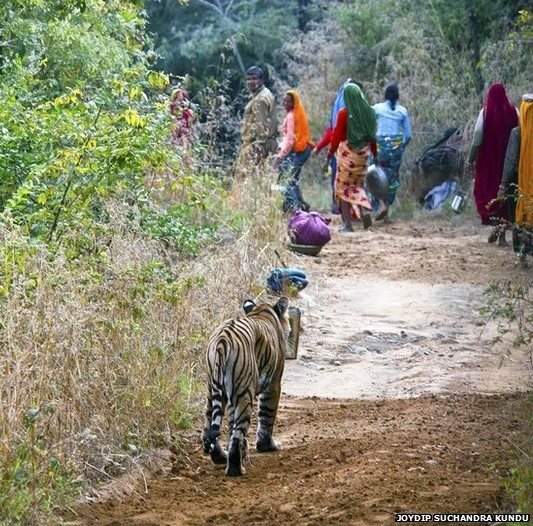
(403, 318)
(434, 409)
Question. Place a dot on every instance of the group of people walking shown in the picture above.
(355, 132)
(358, 133)
(502, 151)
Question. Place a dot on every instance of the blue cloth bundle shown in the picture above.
(279, 278)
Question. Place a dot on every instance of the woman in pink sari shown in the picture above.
(493, 127)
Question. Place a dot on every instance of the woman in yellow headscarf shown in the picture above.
(516, 188)
(294, 150)
(524, 207)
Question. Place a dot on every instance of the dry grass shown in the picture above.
(100, 359)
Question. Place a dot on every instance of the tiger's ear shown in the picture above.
(248, 306)
(281, 306)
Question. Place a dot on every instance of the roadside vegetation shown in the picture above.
(510, 304)
(118, 253)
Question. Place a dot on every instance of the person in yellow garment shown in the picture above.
(259, 126)
(524, 206)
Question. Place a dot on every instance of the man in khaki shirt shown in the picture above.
(259, 126)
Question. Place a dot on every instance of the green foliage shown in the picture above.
(207, 39)
(85, 165)
(457, 29)
(519, 485)
(181, 415)
(83, 117)
(175, 228)
(84, 120)
(510, 304)
(367, 25)
(525, 22)
(191, 223)
(31, 477)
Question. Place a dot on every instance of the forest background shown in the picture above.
(116, 247)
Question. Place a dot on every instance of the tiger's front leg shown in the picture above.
(268, 409)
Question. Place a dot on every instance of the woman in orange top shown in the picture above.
(524, 207)
(294, 150)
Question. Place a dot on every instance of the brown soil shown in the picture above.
(390, 316)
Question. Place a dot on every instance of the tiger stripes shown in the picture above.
(245, 359)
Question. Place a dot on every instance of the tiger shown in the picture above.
(245, 360)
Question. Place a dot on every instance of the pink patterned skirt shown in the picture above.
(350, 178)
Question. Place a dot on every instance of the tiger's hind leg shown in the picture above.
(240, 413)
(268, 409)
(214, 414)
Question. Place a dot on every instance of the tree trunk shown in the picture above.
(475, 48)
(303, 15)
(237, 55)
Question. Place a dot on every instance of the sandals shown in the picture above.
(493, 236)
(382, 215)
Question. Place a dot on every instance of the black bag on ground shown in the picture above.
(439, 162)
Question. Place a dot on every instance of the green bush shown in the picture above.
(83, 116)
(99, 337)
(32, 480)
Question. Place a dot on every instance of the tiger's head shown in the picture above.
(280, 309)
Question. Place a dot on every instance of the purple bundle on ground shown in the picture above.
(309, 228)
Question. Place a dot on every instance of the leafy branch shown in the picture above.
(72, 173)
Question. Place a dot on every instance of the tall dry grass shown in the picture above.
(102, 357)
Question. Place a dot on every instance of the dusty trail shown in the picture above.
(403, 318)
(433, 410)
